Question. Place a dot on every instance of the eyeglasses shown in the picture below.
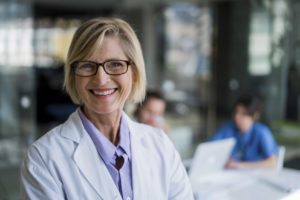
(90, 68)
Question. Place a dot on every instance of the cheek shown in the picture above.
(249, 121)
(79, 86)
(240, 121)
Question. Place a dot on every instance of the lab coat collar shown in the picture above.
(74, 123)
(73, 128)
(94, 170)
(102, 182)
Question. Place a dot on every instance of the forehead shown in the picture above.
(155, 103)
(239, 108)
(109, 48)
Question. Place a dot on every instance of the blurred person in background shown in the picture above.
(151, 111)
(255, 146)
(99, 152)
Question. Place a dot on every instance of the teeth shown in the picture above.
(106, 92)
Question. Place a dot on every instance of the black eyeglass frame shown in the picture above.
(74, 66)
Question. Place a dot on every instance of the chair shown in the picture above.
(280, 158)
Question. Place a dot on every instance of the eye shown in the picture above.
(86, 66)
(115, 64)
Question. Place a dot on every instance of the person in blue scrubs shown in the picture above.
(255, 146)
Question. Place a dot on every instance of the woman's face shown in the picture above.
(242, 119)
(103, 93)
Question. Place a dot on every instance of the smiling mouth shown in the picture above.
(104, 92)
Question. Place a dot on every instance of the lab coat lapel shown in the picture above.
(91, 166)
(141, 175)
(94, 170)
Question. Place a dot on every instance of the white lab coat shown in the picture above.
(64, 164)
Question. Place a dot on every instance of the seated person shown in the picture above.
(151, 111)
(255, 146)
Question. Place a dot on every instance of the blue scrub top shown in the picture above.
(257, 144)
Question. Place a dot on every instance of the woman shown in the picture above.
(255, 146)
(151, 111)
(99, 153)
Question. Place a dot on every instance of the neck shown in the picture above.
(108, 123)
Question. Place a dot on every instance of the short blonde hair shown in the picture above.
(89, 36)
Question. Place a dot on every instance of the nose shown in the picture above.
(101, 77)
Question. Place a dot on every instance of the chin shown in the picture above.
(99, 110)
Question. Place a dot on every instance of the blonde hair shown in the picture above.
(89, 36)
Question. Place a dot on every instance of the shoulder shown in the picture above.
(147, 132)
(48, 140)
(149, 137)
(58, 139)
(228, 125)
(142, 130)
(264, 136)
(262, 128)
(228, 129)
(262, 132)
(44, 151)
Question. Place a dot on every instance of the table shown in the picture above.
(249, 185)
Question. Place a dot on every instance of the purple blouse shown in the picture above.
(108, 153)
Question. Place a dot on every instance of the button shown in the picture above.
(128, 198)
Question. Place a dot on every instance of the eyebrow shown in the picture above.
(108, 59)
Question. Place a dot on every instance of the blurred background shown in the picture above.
(202, 54)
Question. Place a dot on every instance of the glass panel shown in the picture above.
(52, 40)
(259, 44)
(187, 75)
(17, 127)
